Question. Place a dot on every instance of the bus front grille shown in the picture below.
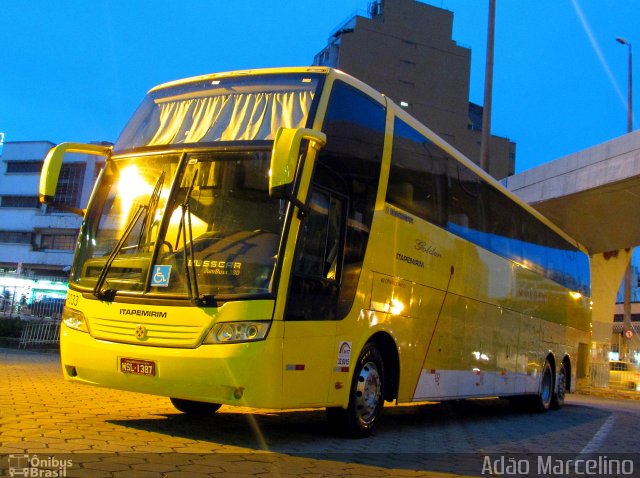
(146, 332)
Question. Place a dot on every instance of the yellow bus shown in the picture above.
(291, 238)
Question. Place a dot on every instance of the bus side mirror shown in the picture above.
(53, 163)
(284, 157)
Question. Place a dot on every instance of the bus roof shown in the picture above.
(258, 71)
(398, 111)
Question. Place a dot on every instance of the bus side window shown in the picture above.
(348, 170)
(417, 180)
(319, 248)
(317, 266)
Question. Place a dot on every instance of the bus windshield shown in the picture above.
(226, 109)
(199, 224)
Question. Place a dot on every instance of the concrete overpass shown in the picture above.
(594, 195)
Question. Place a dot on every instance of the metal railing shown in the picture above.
(42, 332)
(33, 306)
(37, 310)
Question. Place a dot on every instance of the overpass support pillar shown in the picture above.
(607, 271)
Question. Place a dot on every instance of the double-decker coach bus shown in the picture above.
(288, 238)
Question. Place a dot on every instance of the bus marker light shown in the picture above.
(294, 367)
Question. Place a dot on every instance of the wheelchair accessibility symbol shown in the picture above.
(160, 276)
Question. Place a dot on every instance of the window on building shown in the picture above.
(59, 242)
(19, 201)
(15, 237)
(34, 166)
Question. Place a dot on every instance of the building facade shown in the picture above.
(404, 49)
(38, 240)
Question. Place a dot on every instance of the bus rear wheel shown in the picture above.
(560, 390)
(366, 397)
(542, 401)
(193, 408)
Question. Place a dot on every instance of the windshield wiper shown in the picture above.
(187, 245)
(109, 294)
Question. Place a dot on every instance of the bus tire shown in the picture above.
(560, 389)
(366, 397)
(193, 408)
(542, 401)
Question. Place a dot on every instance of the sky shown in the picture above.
(75, 70)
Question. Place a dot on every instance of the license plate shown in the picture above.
(138, 367)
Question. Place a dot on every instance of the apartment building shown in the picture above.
(404, 49)
(38, 240)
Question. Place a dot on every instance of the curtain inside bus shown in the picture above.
(238, 117)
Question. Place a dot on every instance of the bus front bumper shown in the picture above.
(245, 374)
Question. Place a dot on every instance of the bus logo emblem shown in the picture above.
(141, 332)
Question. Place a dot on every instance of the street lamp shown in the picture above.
(622, 41)
(627, 275)
(488, 90)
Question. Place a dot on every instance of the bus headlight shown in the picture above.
(74, 319)
(233, 332)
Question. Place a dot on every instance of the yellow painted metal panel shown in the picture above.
(308, 348)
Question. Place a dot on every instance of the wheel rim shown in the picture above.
(368, 393)
(562, 384)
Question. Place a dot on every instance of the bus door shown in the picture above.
(314, 291)
(340, 207)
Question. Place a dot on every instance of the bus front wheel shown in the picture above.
(366, 397)
(193, 408)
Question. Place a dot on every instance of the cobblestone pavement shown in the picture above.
(95, 432)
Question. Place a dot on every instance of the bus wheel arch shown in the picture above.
(389, 351)
(372, 377)
(567, 368)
